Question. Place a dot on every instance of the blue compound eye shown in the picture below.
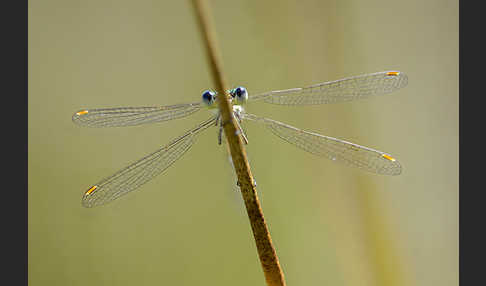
(208, 97)
(241, 94)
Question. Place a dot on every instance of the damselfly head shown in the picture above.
(240, 94)
(208, 97)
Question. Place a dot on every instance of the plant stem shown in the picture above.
(266, 251)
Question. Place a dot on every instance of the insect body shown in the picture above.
(146, 168)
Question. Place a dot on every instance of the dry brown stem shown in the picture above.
(266, 251)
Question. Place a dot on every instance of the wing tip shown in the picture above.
(86, 200)
(76, 118)
(400, 77)
(392, 166)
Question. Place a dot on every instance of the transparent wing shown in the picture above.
(143, 170)
(129, 116)
(335, 149)
(346, 89)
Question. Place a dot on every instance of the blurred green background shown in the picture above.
(331, 224)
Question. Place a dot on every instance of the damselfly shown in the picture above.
(146, 168)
